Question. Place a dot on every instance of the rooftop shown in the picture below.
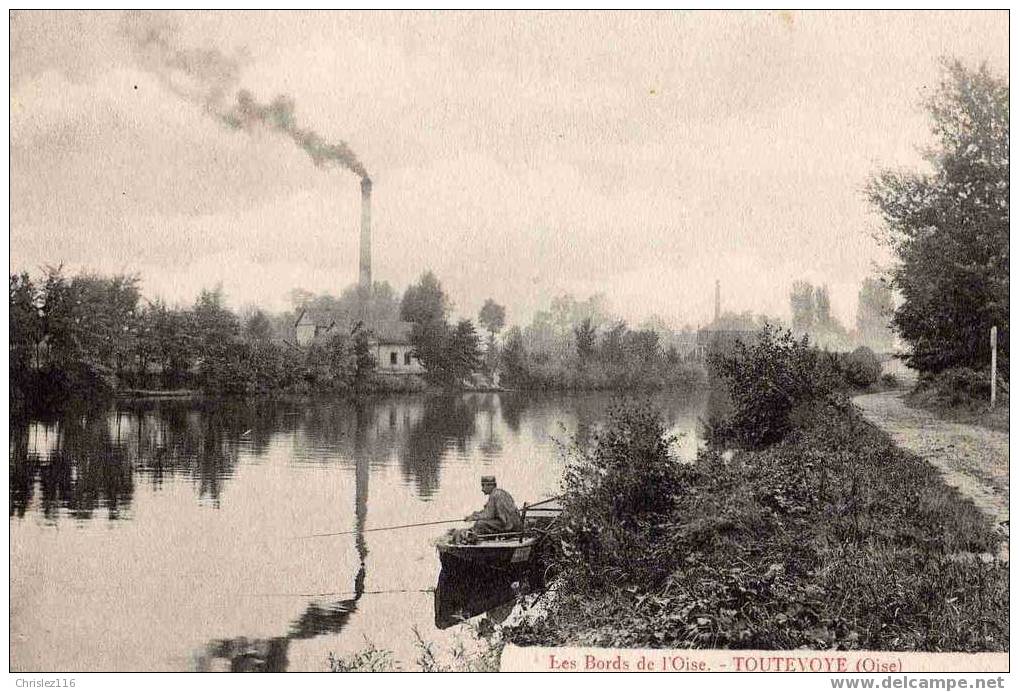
(381, 331)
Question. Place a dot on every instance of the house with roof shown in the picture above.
(391, 345)
(388, 340)
(311, 324)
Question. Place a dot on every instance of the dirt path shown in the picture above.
(972, 459)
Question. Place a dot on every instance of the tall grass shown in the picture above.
(481, 656)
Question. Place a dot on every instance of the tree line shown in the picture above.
(812, 316)
(88, 334)
(580, 345)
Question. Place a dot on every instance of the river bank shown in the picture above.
(47, 403)
(833, 538)
(800, 525)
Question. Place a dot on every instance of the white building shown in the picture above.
(388, 340)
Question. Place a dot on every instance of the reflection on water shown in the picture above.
(241, 654)
(463, 594)
(189, 518)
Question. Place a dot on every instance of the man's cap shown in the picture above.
(488, 479)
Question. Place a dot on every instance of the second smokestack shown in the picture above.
(365, 275)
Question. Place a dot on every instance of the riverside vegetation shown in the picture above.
(811, 530)
(800, 525)
(87, 335)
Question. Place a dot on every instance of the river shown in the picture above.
(174, 535)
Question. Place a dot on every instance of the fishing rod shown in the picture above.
(385, 528)
(411, 526)
(339, 593)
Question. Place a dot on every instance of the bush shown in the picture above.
(889, 380)
(616, 490)
(767, 380)
(861, 368)
(964, 387)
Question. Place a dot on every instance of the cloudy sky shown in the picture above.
(517, 155)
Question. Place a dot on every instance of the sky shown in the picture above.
(517, 155)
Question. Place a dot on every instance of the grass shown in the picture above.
(481, 657)
(971, 413)
(962, 395)
(832, 538)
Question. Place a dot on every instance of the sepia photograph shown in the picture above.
(461, 341)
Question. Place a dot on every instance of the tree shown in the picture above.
(299, 298)
(449, 355)
(424, 301)
(90, 325)
(25, 336)
(364, 361)
(431, 342)
(331, 362)
(383, 305)
(828, 332)
(801, 300)
(425, 304)
(26, 329)
(949, 228)
(465, 352)
(643, 346)
(613, 342)
(822, 307)
(873, 315)
(258, 328)
(216, 325)
(493, 318)
(514, 357)
(585, 335)
(219, 346)
(174, 338)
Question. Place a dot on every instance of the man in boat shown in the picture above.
(500, 514)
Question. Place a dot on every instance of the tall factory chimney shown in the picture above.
(365, 277)
(364, 283)
(718, 302)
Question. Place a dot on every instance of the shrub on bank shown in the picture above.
(831, 538)
(958, 387)
(616, 491)
(861, 368)
(767, 380)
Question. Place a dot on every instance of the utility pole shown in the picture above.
(994, 364)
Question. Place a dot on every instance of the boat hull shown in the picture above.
(499, 555)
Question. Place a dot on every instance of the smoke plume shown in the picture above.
(210, 78)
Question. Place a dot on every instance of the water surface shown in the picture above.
(172, 535)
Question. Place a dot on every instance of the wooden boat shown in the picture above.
(502, 551)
